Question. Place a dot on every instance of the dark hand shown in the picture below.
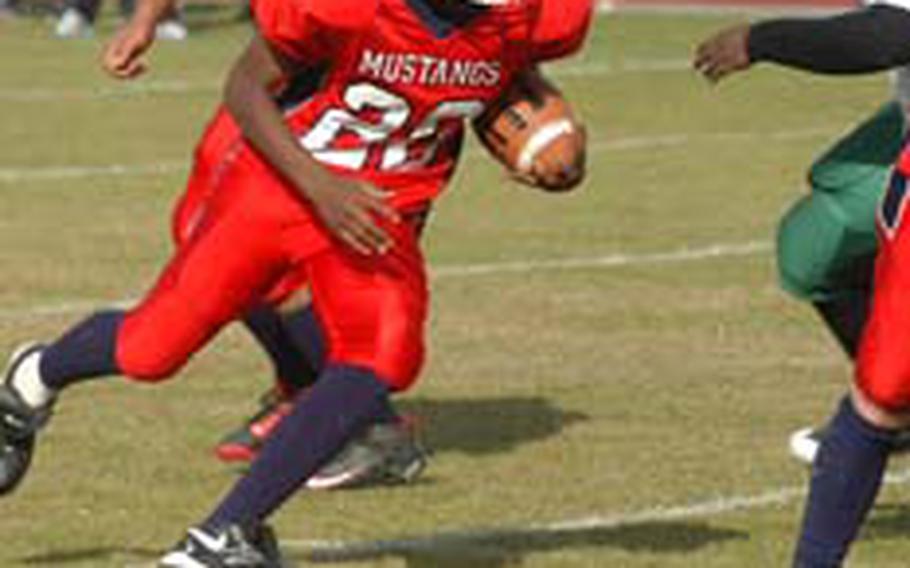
(350, 209)
(723, 53)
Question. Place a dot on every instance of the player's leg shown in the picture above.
(77, 19)
(854, 451)
(389, 450)
(827, 243)
(292, 342)
(384, 453)
(373, 311)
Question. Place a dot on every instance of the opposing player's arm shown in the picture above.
(861, 41)
(346, 206)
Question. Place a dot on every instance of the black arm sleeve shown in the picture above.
(861, 41)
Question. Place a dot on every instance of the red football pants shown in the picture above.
(883, 360)
(242, 239)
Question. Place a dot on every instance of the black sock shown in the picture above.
(846, 477)
(846, 316)
(86, 351)
(338, 407)
(291, 364)
(304, 330)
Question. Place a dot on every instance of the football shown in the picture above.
(532, 131)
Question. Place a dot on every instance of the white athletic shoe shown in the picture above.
(235, 547)
(73, 24)
(171, 30)
(804, 444)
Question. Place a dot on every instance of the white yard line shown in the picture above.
(147, 88)
(608, 261)
(140, 88)
(20, 174)
(144, 88)
(490, 538)
(50, 173)
(618, 260)
(493, 538)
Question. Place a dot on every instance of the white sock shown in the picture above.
(28, 384)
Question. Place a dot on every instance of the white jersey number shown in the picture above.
(374, 115)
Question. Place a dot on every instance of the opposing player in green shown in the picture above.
(826, 242)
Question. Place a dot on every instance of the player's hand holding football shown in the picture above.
(724, 53)
(353, 211)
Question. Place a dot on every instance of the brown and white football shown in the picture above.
(533, 132)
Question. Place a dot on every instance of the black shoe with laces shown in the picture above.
(19, 423)
(233, 546)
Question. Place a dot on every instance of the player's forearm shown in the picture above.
(249, 99)
(861, 41)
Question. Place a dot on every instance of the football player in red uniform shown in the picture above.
(329, 188)
(290, 334)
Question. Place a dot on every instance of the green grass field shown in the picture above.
(613, 373)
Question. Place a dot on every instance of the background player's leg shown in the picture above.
(293, 343)
(290, 350)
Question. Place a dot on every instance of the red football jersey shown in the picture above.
(396, 82)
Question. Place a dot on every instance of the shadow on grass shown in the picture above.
(497, 548)
(488, 425)
(480, 426)
(97, 556)
(888, 522)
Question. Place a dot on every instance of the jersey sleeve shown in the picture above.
(309, 30)
(561, 28)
